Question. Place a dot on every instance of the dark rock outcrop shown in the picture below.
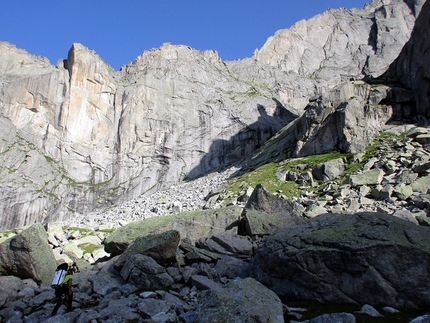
(362, 258)
(412, 68)
(344, 119)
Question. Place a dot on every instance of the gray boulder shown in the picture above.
(150, 307)
(204, 283)
(228, 244)
(264, 213)
(161, 247)
(144, 272)
(244, 300)
(421, 319)
(119, 310)
(191, 226)
(329, 170)
(88, 316)
(232, 267)
(403, 191)
(369, 310)
(107, 279)
(370, 177)
(422, 184)
(28, 255)
(423, 220)
(335, 258)
(12, 288)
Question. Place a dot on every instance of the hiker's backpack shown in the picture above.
(60, 273)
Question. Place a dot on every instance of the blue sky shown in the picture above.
(119, 31)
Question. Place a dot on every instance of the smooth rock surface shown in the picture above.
(334, 257)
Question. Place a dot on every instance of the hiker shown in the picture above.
(65, 289)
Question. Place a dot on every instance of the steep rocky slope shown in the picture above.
(79, 136)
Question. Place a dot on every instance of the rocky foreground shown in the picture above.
(251, 261)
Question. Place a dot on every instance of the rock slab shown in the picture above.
(363, 258)
(244, 300)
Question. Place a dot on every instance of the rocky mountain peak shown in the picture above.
(101, 137)
(341, 44)
(16, 60)
(89, 113)
(169, 54)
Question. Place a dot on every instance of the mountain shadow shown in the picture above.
(409, 75)
(226, 152)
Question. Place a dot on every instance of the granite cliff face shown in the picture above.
(339, 45)
(79, 135)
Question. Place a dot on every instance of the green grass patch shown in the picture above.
(266, 174)
(312, 160)
(106, 230)
(89, 248)
(82, 231)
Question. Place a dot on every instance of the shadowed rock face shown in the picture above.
(412, 68)
(342, 119)
(362, 258)
(80, 135)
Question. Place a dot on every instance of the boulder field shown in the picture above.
(376, 262)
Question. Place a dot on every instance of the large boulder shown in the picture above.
(422, 184)
(161, 247)
(144, 272)
(227, 243)
(244, 300)
(28, 255)
(264, 213)
(107, 279)
(191, 226)
(365, 258)
(329, 170)
(370, 177)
